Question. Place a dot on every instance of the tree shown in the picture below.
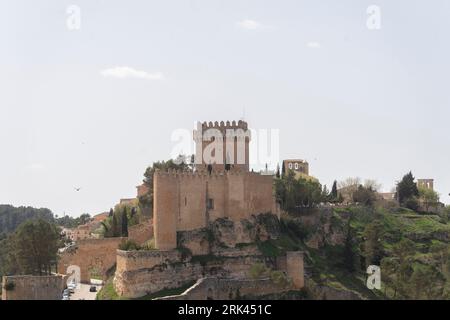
(35, 247)
(347, 187)
(373, 248)
(124, 231)
(403, 251)
(428, 197)
(364, 195)
(372, 185)
(349, 256)
(115, 226)
(283, 169)
(441, 252)
(428, 282)
(389, 267)
(293, 193)
(407, 188)
(334, 192)
(325, 192)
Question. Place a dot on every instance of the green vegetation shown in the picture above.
(108, 292)
(32, 249)
(11, 217)
(259, 270)
(128, 245)
(293, 194)
(407, 192)
(120, 219)
(69, 222)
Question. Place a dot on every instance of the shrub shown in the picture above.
(258, 270)
(412, 204)
(129, 245)
(149, 245)
(279, 278)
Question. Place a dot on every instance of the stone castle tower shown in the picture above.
(221, 186)
(222, 146)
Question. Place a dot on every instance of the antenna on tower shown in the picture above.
(243, 114)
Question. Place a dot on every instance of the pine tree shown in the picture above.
(124, 231)
(334, 193)
(349, 255)
(373, 248)
(115, 225)
(407, 188)
(283, 170)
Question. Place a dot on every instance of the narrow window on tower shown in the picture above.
(210, 203)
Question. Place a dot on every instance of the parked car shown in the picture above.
(93, 289)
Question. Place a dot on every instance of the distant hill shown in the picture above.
(11, 217)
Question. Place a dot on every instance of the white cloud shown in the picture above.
(34, 167)
(127, 72)
(313, 45)
(250, 25)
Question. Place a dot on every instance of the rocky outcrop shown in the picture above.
(227, 233)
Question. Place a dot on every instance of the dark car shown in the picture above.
(93, 289)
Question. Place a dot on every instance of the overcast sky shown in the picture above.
(91, 107)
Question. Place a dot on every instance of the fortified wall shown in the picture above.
(98, 256)
(144, 272)
(91, 256)
(33, 287)
(190, 200)
(213, 288)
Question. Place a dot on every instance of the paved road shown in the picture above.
(82, 292)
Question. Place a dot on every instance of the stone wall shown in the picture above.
(294, 268)
(181, 200)
(213, 288)
(89, 255)
(141, 232)
(33, 287)
(142, 272)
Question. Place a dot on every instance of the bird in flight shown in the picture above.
(77, 189)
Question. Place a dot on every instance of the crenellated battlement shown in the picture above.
(202, 174)
(224, 125)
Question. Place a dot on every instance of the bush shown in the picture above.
(412, 204)
(258, 270)
(129, 245)
(149, 245)
(279, 278)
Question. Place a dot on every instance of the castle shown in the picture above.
(220, 187)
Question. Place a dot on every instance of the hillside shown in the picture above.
(11, 217)
(411, 248)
